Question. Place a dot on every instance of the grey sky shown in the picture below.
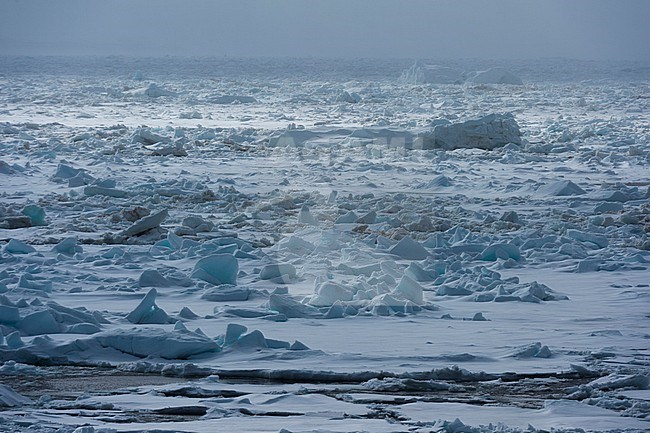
(583, 29)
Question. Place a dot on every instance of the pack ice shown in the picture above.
(315, 245)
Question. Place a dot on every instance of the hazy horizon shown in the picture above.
(501, 29)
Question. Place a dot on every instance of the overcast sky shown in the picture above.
(582, 29)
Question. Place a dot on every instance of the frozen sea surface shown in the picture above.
(311, 245)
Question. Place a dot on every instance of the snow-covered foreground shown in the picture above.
(255, 245)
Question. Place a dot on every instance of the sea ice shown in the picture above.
(226, 293)
(421, 73)
(291, 308)
(495, 76)
(217, 269)
(305, 216)
(409, 289)
(68, 246)
(15, 246)
(278, 270)
(145, 224)
(10, 398)
(409, 249)
(38, 323)
(35, 213)
(560, 188)
(145, 342)
(153, 278)
(416, 206)
(155, 91)
(147, 312)
(488, 133)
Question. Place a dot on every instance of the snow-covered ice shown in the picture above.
(310, 245)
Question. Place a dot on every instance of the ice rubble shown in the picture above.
(409, 233)
(10, 398)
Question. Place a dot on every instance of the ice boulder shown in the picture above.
(65, 172)
(150, 342)
(419, 273)
(155, 91)
(409, 289)
(10, 398)
(177, 148)
(38, 323)
(232, 99)
(9, 314)
(35, 213)
(560, 188)
(15, 222)
(608, 207)
(420, 73)
(198, 224)
(292, 138)
(93, 190)
(409, 249)
(254, 339)
(147, 312)
(296, 245)
(233, 332)
(368, 218)
(479, 317)
(17, 247)
(347, 218)
(145, 224)
(217, 269)
(439, 181)
(226, 293)
(536, 292)
(349, 97)
(147, 137)
(533, 350)
(187, 313)
(305, 216)
(153, 278)
(68, 247)
(278, 270)
(34, 282)
(336, 311)
(6, 168)
(598, 240)
(496, 76)
(298, 345)
(489, 132)
(618, 381)
(612, 196)
(291, 308)
(83, 328)
(386, 305)
(329, 292)
(13, 340)
(501, 251)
